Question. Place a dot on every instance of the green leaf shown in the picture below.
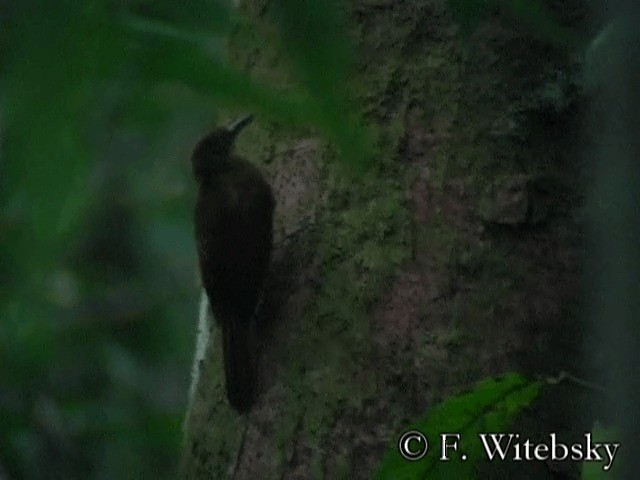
(491, 407)
(211, 16)
(314, 39)
(594, 470)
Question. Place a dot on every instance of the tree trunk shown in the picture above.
(454, 258)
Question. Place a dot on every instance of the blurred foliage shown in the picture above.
(101, 102)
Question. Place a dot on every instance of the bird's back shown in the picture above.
(234, 217)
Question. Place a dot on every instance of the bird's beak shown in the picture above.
(236, 127)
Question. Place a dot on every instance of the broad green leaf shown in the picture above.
(491, 407)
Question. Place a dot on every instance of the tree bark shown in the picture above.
(454, 258)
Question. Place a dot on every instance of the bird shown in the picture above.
(234, 237)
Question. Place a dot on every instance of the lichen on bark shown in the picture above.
(398, 295)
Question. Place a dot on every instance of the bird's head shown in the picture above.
(212, 154)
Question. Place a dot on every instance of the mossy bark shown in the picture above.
(399, 293)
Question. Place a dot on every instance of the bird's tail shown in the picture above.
(238, 345)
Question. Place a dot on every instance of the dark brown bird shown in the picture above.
(234, 234)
